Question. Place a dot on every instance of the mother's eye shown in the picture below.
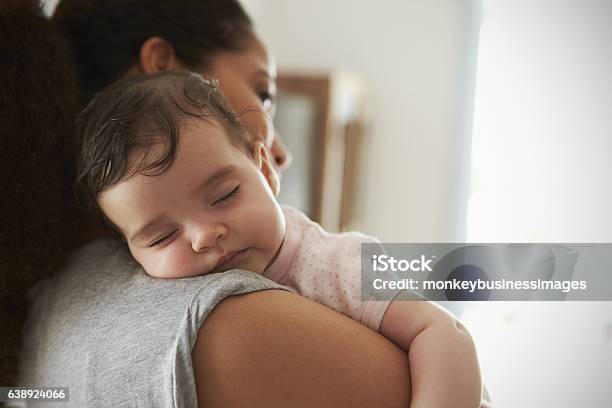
(228, 197)
(268, 100)
(265, 97)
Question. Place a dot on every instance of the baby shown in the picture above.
(173, 171)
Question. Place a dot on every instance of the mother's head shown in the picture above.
(117, 38)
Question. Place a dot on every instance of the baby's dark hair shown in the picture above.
(137, 113)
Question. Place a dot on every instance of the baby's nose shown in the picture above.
(207, 237)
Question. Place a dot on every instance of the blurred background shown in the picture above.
(461, 121)
(485, 121)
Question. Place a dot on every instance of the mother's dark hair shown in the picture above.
(40, 221)
(107, 35)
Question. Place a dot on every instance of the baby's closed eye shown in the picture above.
(164, 239)
(227, 196)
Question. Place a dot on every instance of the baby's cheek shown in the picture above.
(154, 269)
(163, 264)
(272, 223)
(174, 263)
(143, 260)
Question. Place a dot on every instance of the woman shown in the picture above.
(82, 324)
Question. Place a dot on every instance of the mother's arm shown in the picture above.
(274, 348)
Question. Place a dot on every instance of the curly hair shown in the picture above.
(40, 219)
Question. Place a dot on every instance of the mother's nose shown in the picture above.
(281, 154)
(207, 236)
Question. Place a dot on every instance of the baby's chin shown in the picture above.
(245, 260)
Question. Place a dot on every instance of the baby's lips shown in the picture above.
(227, 259)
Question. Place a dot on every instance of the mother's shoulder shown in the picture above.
(100, 250)
(105, 269)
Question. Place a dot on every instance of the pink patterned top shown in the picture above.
(325, 267)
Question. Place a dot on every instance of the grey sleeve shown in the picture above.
(117, 337)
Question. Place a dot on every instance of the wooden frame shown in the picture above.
(340, 118)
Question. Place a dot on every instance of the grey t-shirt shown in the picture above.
(117, 337)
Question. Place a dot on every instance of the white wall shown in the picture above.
(542, 126)
(541, 173)
(419, 58)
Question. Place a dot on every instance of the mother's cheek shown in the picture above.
(259, 126)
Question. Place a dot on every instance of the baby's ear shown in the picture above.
(263, 160)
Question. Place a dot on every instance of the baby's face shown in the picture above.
(213, 210)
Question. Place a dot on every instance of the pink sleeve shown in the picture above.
(373, 313)
(327, 269)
